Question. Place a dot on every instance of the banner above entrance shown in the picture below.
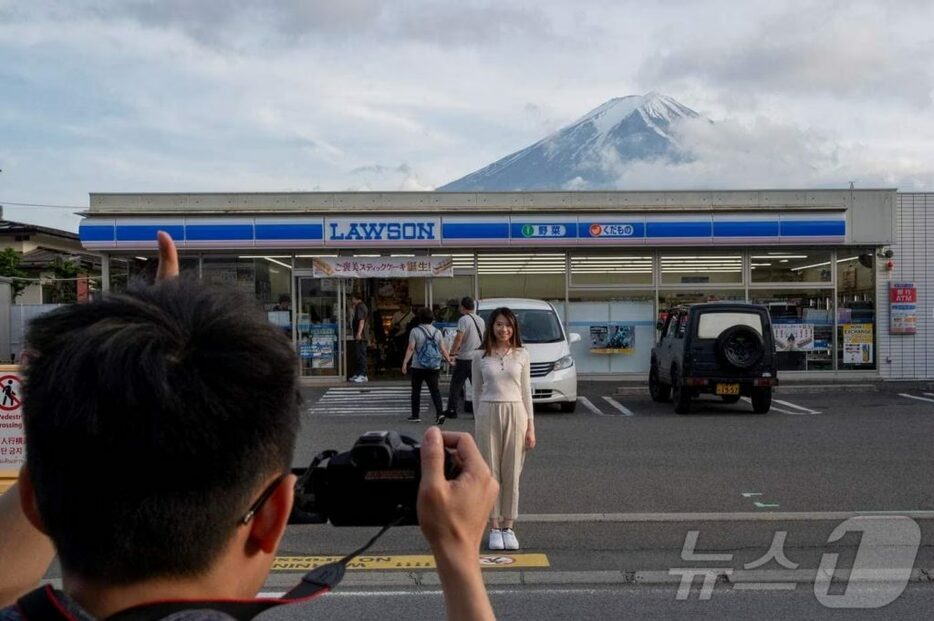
(383, 267)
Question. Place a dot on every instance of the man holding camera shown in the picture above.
(161, 477)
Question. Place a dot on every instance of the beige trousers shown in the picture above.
(500, 427)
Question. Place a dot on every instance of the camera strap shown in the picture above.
(45, 604)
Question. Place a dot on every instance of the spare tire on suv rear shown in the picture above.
(740, 347)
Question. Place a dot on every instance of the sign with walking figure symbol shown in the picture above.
(10, 393)
(12, 438)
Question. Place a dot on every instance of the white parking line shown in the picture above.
(783, 411)
(929, 394)
(619, 406)
(902, 394)
(798, 407)
(590, 406)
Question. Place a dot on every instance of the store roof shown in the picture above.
(231, 204)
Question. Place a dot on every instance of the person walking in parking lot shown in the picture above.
(504, 426)
(426, 350)
(467, 341)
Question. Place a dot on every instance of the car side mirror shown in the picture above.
(574, 337)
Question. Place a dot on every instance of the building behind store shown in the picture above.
(610, 262)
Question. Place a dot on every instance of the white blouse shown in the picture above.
(502, 379)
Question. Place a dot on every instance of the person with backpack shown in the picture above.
(469, 336)
(426, 350)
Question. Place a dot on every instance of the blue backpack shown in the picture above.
(428, 355)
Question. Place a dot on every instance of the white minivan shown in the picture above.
(554, 377)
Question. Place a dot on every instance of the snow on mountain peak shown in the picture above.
(653, 107)
(609, 114)
(587, 153)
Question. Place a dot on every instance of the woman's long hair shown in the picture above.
(489, 339)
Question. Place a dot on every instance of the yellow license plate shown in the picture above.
(727, 389)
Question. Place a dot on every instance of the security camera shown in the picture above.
(885, 253)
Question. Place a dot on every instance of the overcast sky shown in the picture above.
(232, 95)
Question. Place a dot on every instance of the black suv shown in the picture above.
(719, 348)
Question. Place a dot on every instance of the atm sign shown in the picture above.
(903, 293)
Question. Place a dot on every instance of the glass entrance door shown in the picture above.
(319, 326)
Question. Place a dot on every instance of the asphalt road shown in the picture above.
(622, 496)
(613, 491)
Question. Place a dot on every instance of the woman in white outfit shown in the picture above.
(504, 427)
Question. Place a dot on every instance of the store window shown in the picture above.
(668, 298)
(617, 330)
(702, 268)
(539, 276)
(790, 266)
(267, 278)
(856, 309)
(611, 269)
(125, 270)
(802, 326)
(446, 293)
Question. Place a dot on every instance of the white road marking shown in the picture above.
(765, 586)
(375, 401)
(903, 394)
(590, 406)
(797, 407)
(619, 406)
(929, 394)
(776, 409)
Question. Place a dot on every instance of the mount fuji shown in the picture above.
(585, 154)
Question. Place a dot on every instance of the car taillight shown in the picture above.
(766, 381)
(695, 381)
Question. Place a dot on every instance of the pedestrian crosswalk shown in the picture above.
(370, 401)
(389, 400)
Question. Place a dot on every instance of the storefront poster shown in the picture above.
(793, 336)
(319, 346)
(903, 308)
(857, 343)
(383, 267)
(612, 339)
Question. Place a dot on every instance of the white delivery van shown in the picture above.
(554, 376)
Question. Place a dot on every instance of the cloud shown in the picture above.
(859, 53)
(248, 25)
(765, 154)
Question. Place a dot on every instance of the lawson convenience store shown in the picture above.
(610, 262)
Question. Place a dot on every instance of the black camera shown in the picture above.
(373, 484)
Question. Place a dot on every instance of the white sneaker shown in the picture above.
(359, 379)
(509, 539)
(496, 539)
(353, 378)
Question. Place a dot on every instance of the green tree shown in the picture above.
(64, 289)
(9, 267)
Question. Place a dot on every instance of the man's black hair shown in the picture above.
(152, 420)
(467, 303)
(424, 315)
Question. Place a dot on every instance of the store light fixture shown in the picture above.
(271, 259)
(806, 267)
